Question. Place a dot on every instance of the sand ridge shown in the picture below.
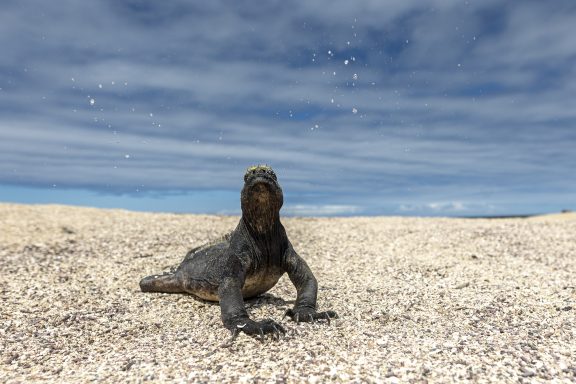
(419, 299)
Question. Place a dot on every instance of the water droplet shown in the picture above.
(126, 156)
(100, 86)
(92, 101)
(355, 76)
(354, 110)
(345, 62)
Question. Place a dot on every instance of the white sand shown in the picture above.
(437, 300)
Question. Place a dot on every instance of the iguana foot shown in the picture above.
(256, 328)
(309, 315)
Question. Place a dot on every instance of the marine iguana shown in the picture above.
(246, 263)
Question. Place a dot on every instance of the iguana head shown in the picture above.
(261, 197)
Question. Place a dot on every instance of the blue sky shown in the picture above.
(455, 108)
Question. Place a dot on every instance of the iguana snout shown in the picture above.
(260, 171)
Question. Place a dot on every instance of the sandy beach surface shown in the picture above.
(419, 299)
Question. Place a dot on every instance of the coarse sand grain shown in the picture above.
(419, 299)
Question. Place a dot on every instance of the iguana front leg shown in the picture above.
(234, 315)
(307, 290)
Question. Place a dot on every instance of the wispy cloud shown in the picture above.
(448, 207)
(360, 103)
(320, 210)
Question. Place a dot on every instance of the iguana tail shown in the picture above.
(168, 283)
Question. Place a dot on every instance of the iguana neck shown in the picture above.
(262, 228)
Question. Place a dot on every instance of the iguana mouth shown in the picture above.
(262, 179)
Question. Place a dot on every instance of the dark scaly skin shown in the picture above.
(246, 263)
